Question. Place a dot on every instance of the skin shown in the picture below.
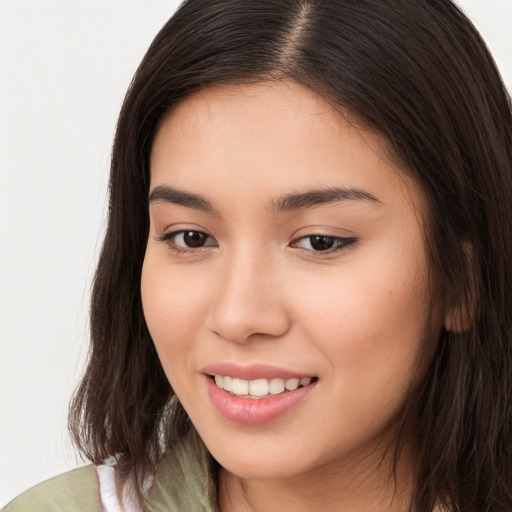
(363, 317)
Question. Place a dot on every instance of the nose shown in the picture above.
(249, 302)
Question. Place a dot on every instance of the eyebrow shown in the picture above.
(165, 194)
(290, 202)
(319, 197)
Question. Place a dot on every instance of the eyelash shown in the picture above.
(178, 249)
(339, 243)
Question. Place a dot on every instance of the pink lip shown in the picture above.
(252, 371)
(248, 411)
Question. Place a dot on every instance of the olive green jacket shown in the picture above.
(182, 484)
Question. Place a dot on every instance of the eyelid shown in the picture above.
(167, 238)
(323, 230)
(341, 243)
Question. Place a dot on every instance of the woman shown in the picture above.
(302, 298)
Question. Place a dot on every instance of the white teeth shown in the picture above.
(276, 386)
(291, 384)
(228, 383)
(240, 387)
(259, 388)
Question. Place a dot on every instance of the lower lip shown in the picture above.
(255, 411)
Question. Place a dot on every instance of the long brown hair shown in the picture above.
(416, 72)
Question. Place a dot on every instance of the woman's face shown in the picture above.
(283, 252)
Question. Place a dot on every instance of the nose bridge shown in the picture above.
(249, 299)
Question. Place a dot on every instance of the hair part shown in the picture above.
(418, 74)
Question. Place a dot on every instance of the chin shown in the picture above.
(256, 460)
(260, 470)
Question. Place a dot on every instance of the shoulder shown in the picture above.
(184, 480)
(76, 490)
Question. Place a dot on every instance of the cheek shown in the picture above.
(369, 320)
(172, 308)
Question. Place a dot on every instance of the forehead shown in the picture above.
(272, 135)
(254, 105)
(288, 99)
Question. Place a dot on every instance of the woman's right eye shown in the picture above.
(187, 240)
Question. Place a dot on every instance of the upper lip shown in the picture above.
(252, 371)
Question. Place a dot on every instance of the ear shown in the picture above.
(461, 316)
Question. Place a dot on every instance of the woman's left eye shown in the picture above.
(323, 243)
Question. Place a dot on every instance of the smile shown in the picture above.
(257, 401)
(259, 388)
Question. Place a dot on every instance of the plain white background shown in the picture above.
(64, 68)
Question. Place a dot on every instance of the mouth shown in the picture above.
(256, 394)
(260, 388)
